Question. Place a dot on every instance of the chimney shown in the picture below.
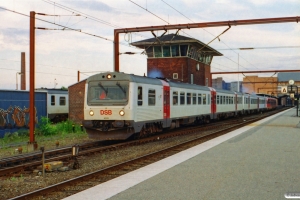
(23, 71)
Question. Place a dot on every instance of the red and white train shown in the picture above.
(119, 105)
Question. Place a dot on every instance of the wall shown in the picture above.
(14, 110)
(255, 84)
(184, 66)
(76, 100)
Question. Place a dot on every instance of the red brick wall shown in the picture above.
(76, 100)
(183, 66)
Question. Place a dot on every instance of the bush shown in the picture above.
(46, 128)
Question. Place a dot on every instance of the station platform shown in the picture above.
(258, 161)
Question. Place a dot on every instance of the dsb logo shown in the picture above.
(105, 112)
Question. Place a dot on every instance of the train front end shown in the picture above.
(107, 110)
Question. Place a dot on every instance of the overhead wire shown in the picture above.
(57, 24)
(65, 27)
(168, 22)
(251, 48)
(148, 11)
(202, 28)
(52, 66)
(154, 14)
(84, 14)
(39, 72)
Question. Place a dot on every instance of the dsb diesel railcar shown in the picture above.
(119, 105)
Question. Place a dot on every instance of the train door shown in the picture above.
(249, 102)
(213, 106)
(235, 102)
(166, 103)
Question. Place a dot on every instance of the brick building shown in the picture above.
(178, 58)
(76, 100)
(264, 85)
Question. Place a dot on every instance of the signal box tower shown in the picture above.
(178, 58)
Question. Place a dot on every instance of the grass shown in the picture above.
(46, 134)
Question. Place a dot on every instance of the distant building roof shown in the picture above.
(286, 76)
(175, 39)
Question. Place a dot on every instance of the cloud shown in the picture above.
(14, 38)
(91, 5)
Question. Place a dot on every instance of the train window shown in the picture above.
(182, 94)
(208, 97)
(62, 101)
(188, 98)
(199, 98)
(204, 99)
(151, 97)
(52, 100)
(227, 101)
(218, 99)
(175, 98)
(194, 98)
(108, 93)
(157, 52)
(166, 51)
(140, 96)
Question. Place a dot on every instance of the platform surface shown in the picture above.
(258, 161)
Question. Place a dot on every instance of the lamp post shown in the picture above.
(292, 82)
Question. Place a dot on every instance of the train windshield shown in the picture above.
(108, 93)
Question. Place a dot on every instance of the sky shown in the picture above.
(88, 48)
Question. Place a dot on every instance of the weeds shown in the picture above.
(16, 178)
(45, 127)
(45, 130)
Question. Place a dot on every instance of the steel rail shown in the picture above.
(140, 161)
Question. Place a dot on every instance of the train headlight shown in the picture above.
(122, 113)
(91, 112)
(108, 76)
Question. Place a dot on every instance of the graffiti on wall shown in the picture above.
(15, 117)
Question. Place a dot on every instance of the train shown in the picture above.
(118, 106)
(14, 108)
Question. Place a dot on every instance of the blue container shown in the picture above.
(14, 110)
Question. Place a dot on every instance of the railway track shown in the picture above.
(13, 166)
(77, 184)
